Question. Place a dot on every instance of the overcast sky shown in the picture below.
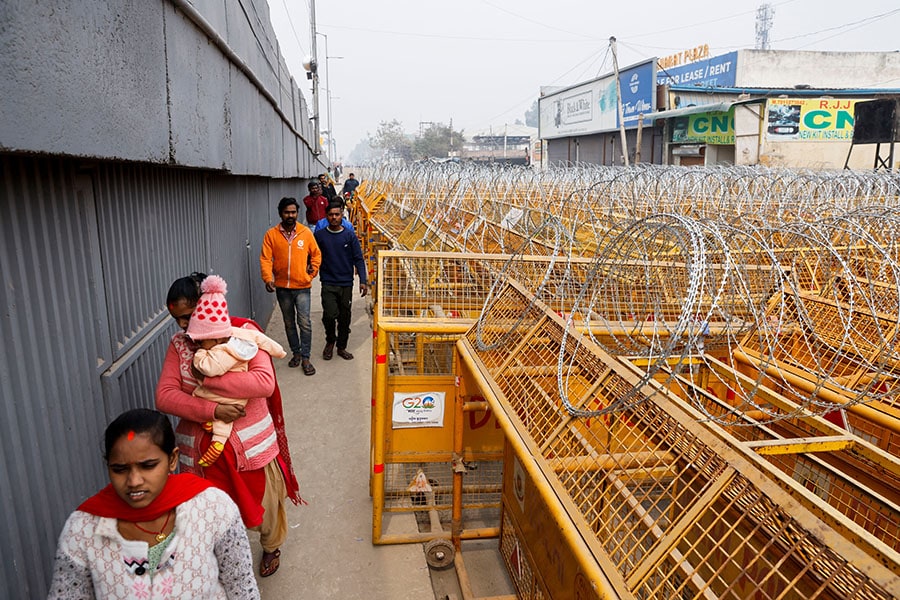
(481, 63)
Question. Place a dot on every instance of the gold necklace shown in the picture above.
(160, 535)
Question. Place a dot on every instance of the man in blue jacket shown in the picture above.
(341, 253)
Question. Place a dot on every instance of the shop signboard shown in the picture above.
(718, 71)
(579, 110)
(638, 92)
(591, 107)
(809, 119)
(716, 128)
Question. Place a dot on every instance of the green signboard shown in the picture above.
(715, 128)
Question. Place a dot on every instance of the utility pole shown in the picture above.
(332, 145)
(317, 146)
(612, 46)
(637, 143)
(505, 127)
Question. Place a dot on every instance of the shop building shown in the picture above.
(581, 123)
(748, 107)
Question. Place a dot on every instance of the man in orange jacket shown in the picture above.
(288, 261)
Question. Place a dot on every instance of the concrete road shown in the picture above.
(329, 553)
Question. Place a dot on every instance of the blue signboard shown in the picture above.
(638, 92)
(718, 71)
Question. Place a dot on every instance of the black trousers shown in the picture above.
(336, 302)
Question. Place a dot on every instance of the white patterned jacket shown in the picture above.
(208, 556)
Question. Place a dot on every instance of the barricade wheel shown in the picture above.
(439, 554)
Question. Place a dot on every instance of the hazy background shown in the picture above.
(481, 63)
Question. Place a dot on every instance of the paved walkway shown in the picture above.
(329, 553)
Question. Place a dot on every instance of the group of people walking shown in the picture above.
(153, 534)
(292, 256)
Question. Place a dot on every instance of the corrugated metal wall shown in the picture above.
(87, 253)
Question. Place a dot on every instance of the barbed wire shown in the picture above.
(790, 276)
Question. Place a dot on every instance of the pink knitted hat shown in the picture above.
(210, 319)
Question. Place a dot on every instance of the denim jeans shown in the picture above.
(336, 302)
(294, 305)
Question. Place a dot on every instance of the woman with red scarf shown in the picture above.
(255, 466)
(151, 534)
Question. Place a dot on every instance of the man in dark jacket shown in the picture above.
(350, 185)
(327, 187)
(341, 253)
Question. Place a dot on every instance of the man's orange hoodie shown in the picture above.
(287, 263)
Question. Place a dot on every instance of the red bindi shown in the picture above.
(130, 436)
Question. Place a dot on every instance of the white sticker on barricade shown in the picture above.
(418, 409)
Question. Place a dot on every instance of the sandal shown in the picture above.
(342, 352)
(308, 369)
(295, 360)
(328, 352)
(269, 562)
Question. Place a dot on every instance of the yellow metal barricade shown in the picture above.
(633, 401)
(437, 449)
(647, 500)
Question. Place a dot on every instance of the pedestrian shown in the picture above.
(289, 261)
(323, 223)
(341, 253)
(350, 185)
(149, 533)
(327, 185)
(255, 467)
(223, 349)
(316, 204)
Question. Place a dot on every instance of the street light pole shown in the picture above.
(327, 98)
(314, 76)
(332, 147)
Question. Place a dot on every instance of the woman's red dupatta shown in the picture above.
(178, 489)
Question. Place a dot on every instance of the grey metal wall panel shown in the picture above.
(51, 414)
(214, 12)
(131, 381)
(261, 52)
(151, 227)
(285, 95)
(198, 83)
(87, 253)
(229, 238)
(139, 81)
(84, 78)
(245, 118)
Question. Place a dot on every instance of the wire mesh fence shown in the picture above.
(678, 513)
(665, 342)
(678, 262)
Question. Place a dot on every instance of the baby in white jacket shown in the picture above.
(219, 356)
(223, 348)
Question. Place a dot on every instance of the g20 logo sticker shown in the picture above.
(418, 409)
(426, 402)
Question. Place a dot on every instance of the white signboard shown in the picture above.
(586, 108)
(418, 409)
(592, 107)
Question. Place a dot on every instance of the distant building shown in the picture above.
(771, 107)
(808, 128)
(507, 144)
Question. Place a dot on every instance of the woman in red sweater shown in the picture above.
(255, 467)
